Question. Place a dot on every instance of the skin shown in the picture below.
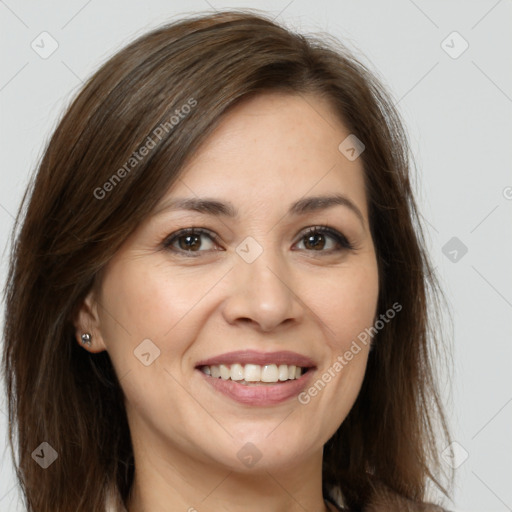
(295, 296)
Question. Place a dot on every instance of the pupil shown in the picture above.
(313, 239)
(192, 241)
(192, 245)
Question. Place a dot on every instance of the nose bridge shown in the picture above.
(262, 271)
(261, 290)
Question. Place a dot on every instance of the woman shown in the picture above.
(217, 297)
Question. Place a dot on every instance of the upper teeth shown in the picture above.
(254, 372)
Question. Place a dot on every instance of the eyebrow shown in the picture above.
(305, 205)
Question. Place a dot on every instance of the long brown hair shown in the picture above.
(80, 207)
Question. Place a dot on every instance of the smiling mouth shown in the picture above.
(255, 374)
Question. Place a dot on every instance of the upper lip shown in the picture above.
(260, 358)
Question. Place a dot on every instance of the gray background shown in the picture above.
(458, 115)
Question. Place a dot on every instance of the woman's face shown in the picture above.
(251, 289)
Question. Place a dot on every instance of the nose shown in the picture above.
(262, 293)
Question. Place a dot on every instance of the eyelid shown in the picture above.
(339, 237)
(170, 239)
(343, 243)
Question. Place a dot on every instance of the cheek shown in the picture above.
(146, 306)
(346, 307)
(346, 303)
(147, 299)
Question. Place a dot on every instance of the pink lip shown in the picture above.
(259, 395)
(263, 394)
(261, 358)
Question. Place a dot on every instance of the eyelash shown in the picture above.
(341, 240)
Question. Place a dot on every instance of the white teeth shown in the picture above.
(254, 372)
(225, 372)
(269, 373)
(237, 372)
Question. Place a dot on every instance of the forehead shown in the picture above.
(272, 147)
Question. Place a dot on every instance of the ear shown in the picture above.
(87, 321)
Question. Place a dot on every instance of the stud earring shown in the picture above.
(86, 339)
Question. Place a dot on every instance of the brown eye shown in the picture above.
(190, 240)
(316, 239)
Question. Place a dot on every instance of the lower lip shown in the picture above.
(265, 394)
